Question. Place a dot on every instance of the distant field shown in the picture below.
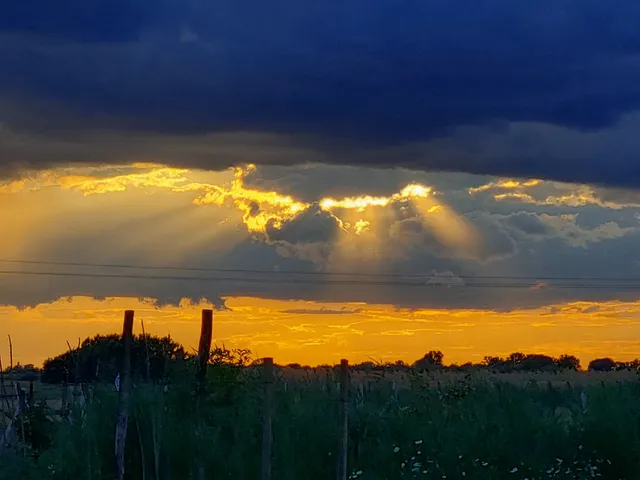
(576, 378)
(429, 425)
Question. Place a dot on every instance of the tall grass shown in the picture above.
(462, 427)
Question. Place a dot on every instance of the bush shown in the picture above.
(602, 365)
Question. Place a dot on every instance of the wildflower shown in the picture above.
(418, 442)
(514, 470)
(396, 449)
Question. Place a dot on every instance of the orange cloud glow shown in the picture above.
(315, 333)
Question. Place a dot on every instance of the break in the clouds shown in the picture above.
(439, 234)
(547, 90)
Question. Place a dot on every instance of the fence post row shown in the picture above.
(267, 421)
(204, 349)
(123, 395)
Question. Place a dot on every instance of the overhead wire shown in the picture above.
(399, 283)
(312, 273)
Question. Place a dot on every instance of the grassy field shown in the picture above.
(429, 425)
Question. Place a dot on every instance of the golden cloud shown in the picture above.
(259, 208)
(536, 192)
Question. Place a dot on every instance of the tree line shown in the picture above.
(514, 362)
(97, 359)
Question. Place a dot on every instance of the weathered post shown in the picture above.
(267, 420)
(204, 352)
(10, 354)
(344, 420)
(124, 393)
(22, 398)
(146, 351)
(204, 348)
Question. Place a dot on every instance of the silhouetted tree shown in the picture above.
(537, 362)
(367, 366)
(492, 362)
(602, 365)
(98, 359)
(634, 364)
(568, 362)
(432, 359)
(515, 359)
(401, 365)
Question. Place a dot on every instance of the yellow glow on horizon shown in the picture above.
(313, 333)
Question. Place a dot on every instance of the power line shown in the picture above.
(321, 282)
(317, 273)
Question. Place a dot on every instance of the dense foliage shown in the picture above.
(98, 359)
(416, 425)
(425, 420)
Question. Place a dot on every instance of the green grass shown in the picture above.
(483, 426)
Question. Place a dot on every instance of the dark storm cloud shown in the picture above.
(360, 83)
(312, 225)
(529, 224)
(98, 21)
(413, 235)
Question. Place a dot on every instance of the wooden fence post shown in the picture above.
(267, 420)
(10, 354)
(344, 420)
(124, 394)
(204, 349)
(22, 398)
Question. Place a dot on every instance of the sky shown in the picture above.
(341, 180)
